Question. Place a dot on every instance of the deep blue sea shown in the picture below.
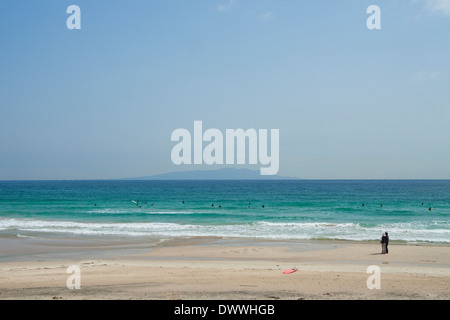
(284, 209)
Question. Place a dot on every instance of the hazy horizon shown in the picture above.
(158, 177)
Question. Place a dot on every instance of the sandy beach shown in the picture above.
(214, 268)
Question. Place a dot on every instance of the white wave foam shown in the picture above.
(23, 236)
(109, 211)
(119, 211)
(170, 212)
(412, 231)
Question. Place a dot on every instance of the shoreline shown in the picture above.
(25, 248)
(223, 269)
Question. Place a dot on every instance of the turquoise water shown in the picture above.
(293, 209)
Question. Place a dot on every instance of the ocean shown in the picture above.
(356, 210)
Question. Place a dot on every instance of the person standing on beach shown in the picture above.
(387, 241)
(383, 243)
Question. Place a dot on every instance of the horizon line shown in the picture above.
(259, 179)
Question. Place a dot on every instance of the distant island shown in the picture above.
(219, 174)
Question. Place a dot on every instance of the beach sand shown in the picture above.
(222, 269)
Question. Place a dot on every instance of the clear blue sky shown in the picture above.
(102, 102)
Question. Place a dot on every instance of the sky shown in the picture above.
(101, 102)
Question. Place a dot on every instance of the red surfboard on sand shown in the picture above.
(289, 271)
